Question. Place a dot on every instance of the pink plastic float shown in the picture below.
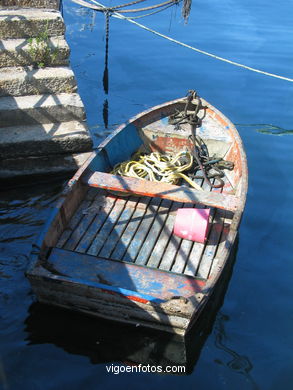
(192, 224)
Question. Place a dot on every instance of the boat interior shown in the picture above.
(139, 229)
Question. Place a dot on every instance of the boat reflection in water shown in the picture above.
(106, 341)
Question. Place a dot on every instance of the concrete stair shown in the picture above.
(17, 52)
(33, 109)
(43, 139)
(30, 22)
(65, 164)
(20, 81)
(51, 4)
(42, 118)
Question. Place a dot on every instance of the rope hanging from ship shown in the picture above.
(243, 66)
(186, 8)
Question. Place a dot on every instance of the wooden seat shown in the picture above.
(131, 280)
(172, 192)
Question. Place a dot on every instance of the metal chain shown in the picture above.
(200, 150)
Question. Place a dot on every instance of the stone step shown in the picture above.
(15, 168)
(54, 4)
(30, 22)
(35, 109)
(46, 139)
(19, 81)
(20, 52)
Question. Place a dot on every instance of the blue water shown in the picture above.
(250, 344)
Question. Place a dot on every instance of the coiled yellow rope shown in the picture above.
(158, 167)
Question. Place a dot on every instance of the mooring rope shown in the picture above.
(113, 9)
(119, 16)
(152, 13)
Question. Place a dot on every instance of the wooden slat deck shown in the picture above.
(139, 230)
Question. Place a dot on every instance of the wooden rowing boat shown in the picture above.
(116, 257)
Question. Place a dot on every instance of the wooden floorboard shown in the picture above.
(152, 236)
(119, 227)
(182, 253)
(211, 246)
(170, 253)
(106, 229)
(197, 248)
(94, 228)
(142, 230)
(222, 243)
(163, 239)
(205, 260)
(77, 216)
(87, 218)
(130, 230)
(173, 256)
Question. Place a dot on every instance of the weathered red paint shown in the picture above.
(131, 297)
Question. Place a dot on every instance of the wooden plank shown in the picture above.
(88, 215)
(154, 232)
(210, 236)
(212, 244)
(194, 258)
(197, 248)
(196, 252)
(104, 232)
(182, 253)
(97, 223)
(184, 246)
(142, 231)
(130, 230)
(170, 253)
(221, 247)
(159, 249)
(161, 190)
(119, 227)
(74, 221)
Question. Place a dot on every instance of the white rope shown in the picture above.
(119, 16)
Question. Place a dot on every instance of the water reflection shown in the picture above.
(239, 363)
(106, 71)
(106, 113)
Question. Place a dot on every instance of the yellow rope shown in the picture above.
(158, 167)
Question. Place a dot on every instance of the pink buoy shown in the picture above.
(192, 224)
